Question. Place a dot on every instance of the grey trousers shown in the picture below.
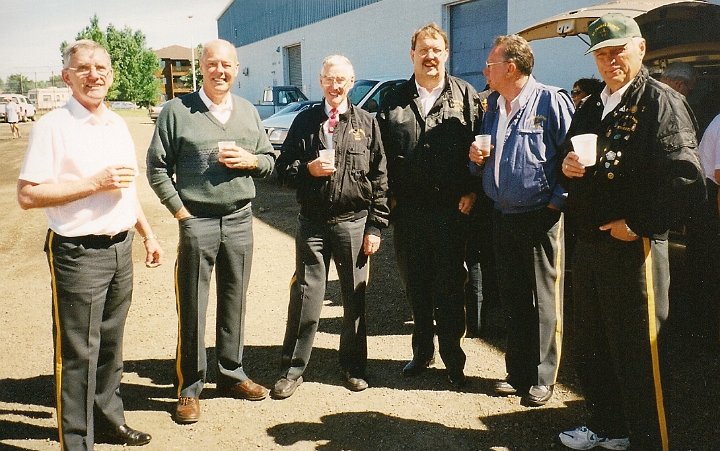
(531, 264)
(315, 243)
(226, 244)
(92, 282)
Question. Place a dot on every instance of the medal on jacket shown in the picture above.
(358, 134)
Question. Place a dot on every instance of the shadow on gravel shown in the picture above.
(378, 431)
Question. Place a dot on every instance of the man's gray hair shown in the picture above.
(337, 60)
(81, 44)
(679, 71)
(517, 50)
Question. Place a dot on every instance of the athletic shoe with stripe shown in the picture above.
(584, 438)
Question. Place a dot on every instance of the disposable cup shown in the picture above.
(328, 154)
(223, 145)
(483, 142)
(585, 146)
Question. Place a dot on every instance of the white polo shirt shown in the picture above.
(70, 144)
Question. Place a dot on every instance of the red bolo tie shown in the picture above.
(332, 122)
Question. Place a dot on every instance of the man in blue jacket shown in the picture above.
(527, 122)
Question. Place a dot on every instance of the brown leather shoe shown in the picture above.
(187, 410)
(246, 389)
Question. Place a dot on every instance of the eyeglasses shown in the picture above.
(425, 52)
(489, 64)
(332, 81)
(84, 71)
(576, 92)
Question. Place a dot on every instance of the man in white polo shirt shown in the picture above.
(80, 167)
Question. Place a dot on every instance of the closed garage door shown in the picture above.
(473, 28)
(294, 65)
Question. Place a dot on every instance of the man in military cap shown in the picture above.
(623, 206)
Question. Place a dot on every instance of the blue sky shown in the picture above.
(32, 30)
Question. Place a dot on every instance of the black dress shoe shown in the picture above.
(415, 367)
(355, 383)
(124, 435)
(284, 387)
(538, 395)
(456, 378)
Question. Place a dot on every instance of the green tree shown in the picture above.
(134, 64)
(187, 79)
(2, 85)
(18, 83)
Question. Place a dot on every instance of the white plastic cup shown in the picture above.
(483, 142)
(223, 145)
(585, 146)
(328, 154)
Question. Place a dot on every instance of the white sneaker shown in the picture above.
(584, 438)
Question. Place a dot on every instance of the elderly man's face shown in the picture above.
(89, 76)
(336, 81)
(219, 66)
(619, 65)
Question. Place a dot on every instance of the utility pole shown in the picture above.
(192, 56)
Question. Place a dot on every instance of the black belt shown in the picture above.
(94, 241)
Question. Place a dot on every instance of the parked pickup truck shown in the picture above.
(26, 109)
(276, 98)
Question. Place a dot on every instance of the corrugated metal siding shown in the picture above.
(248, 21)
(473, 27)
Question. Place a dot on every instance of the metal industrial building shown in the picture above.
(284, 41)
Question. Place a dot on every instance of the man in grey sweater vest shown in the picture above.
(209, 190)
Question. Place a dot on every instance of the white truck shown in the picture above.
(25, 108)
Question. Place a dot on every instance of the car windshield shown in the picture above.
(289, 109)
(361, 88)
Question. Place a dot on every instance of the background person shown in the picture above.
(426, 125)
(209, 193)
(80, 167)
(623, 206)
(584, 88)
(12, 115)
(343, 207)
(680, 77)
(527, 122)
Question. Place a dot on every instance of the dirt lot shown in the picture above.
(396, 413)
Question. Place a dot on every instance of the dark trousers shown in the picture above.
(429, 247)
(531, 262)
(92, 286)
(620, 290)
(483, 312)
(226, 244)
(703, 263)
(315, 244)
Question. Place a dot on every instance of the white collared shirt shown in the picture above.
(341, 110)
(221, 112)
(70, 144)
(428, 98)
(504, 117)
(610, 101)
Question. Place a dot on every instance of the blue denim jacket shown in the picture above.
(529, 167)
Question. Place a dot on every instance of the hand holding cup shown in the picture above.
(480, 149)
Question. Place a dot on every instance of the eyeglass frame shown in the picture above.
(488, 64)
(331, 81)
(84, 71)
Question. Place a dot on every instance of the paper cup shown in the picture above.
(328, 154)
(483, 142)
(585, 146)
